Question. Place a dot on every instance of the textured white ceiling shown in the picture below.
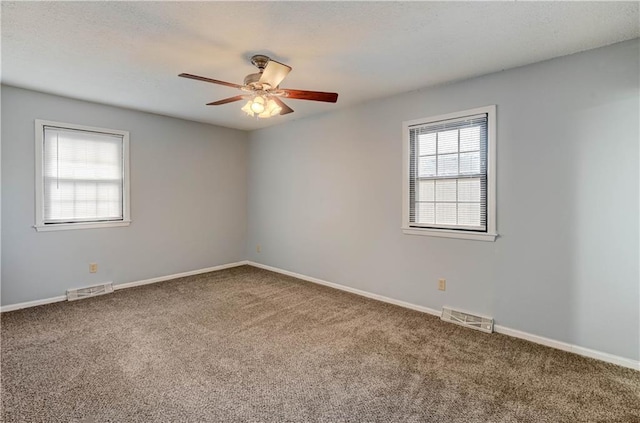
(129, 53)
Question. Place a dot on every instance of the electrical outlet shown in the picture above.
(258, 248)
(93, 267)
(442, 284)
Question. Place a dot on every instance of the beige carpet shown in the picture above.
(247, 345)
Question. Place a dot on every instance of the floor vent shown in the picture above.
(469, 320)
(89, 291)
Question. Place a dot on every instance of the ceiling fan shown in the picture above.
(263, 90)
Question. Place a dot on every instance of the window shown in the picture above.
(449, 175)
(82, 177)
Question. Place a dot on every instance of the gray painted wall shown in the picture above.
(188, 200)
(325, 200)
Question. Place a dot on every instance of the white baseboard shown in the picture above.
(178, 275)
(348, 289)
(586, 352)
(28, 304)
(576, 349)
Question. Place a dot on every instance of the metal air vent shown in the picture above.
(89, 291)
(463, 318)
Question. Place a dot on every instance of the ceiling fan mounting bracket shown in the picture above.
(260, 61)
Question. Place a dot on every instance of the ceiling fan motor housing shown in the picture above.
(260, 61)
(252, 78)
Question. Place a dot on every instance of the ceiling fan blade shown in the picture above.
(285, 109)
(274, 73)
(311, 95)
(226, 100)
(213, 81)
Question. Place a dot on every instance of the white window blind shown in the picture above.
(448, 174)
(83, 176)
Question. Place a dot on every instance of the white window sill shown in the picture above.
(448, 233)
(80, 225)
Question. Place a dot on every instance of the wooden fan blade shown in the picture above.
(285, 109)
(311, 95)
(226, 100)
(274, 73)
(213, 81)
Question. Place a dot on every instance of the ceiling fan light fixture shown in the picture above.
(272, 109)
(258, 104)
(262, 107)
(247, 108)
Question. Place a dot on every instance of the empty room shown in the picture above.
(320, 212)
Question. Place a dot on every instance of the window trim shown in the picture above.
(491, 233)
(40, 226)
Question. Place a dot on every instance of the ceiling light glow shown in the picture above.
(262, 107)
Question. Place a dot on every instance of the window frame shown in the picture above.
(491, 233)
(40, 225)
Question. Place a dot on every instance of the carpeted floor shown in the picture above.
(247, 345)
